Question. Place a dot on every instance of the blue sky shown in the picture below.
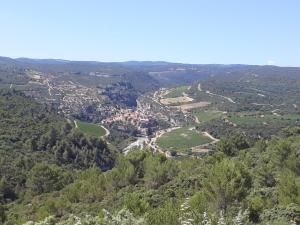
(191, 31)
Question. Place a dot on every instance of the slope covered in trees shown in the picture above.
(40, 149)
(238, 184)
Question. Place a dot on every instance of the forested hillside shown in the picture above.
(236, 185)
(51, 173)
(40, 150)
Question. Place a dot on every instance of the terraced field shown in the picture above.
(182, 139)
(90, 129)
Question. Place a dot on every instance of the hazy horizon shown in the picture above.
(141, 61)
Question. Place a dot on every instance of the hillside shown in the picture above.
(256, 184)
(36, 142)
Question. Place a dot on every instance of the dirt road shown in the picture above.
(222, 96)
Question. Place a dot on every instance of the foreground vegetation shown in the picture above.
(250, 185)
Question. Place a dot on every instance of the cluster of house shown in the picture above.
(130, 116)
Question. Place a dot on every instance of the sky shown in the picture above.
(188, 31)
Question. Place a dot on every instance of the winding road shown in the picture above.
(222, 96)
(210, 93)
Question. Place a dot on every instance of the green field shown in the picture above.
(246, 119)
(90, 129)
(205, 116)
(177, 92)
(181, 140)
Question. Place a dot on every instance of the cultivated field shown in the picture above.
(182, 139)
(206, 116)
(90, 129)
(177, 100)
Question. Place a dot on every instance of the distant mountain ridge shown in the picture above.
(25, 60)
(147, 73)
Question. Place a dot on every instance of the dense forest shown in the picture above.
(36, 144)
(54, 174)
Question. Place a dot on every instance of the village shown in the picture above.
(150, 119)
